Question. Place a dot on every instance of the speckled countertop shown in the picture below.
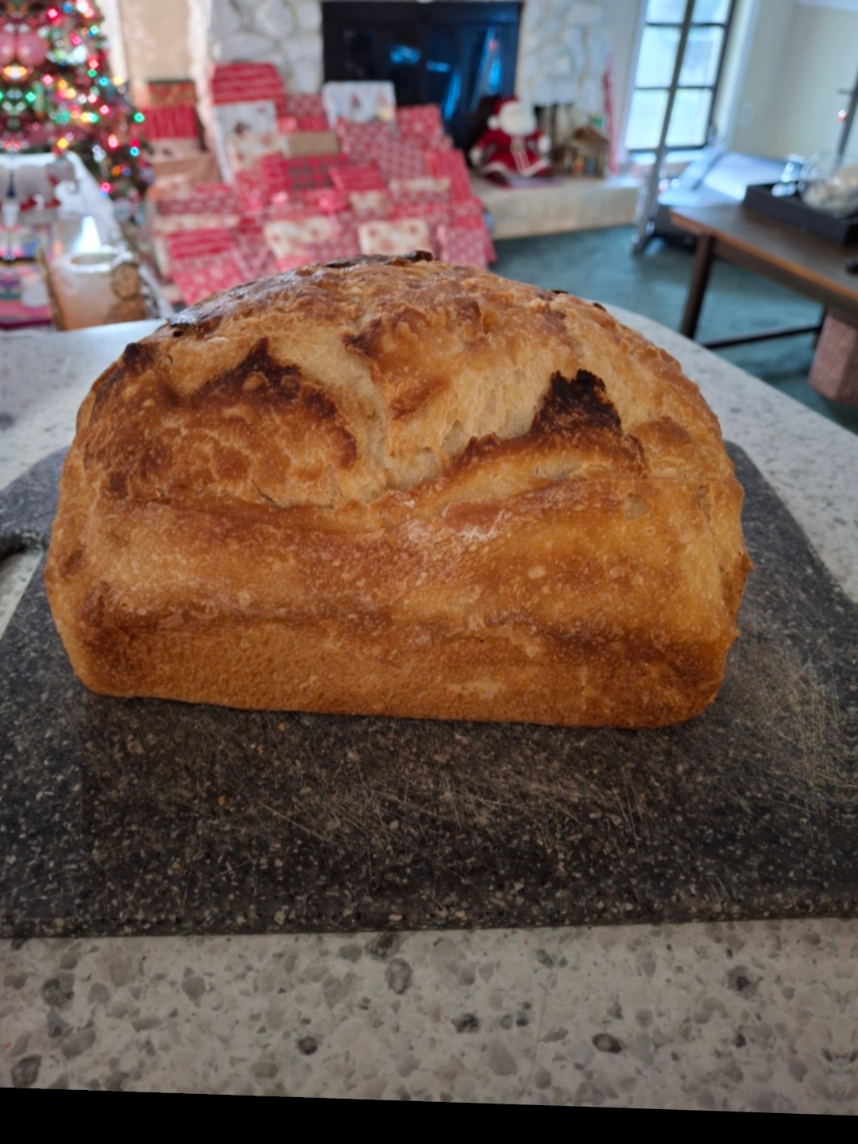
(759, 1015)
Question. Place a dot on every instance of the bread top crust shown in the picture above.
(371, 388)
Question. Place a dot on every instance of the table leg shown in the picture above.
(703, 258)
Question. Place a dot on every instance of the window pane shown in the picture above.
(702, 53)
(645, 118)
(690, 119)
(711, 10)
(665, 11)
(657, 58)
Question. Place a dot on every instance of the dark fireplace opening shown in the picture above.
(461, 56)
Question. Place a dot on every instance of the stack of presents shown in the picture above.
(300, 185)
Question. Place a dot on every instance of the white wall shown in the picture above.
(802, 52)
(821, 59)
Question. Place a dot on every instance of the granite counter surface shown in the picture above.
(759, 1015)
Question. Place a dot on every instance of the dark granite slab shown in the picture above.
(120, 816)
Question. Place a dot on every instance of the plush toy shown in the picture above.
(512, 145)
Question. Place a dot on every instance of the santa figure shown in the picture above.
(512, 145)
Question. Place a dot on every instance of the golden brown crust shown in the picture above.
(397, 486)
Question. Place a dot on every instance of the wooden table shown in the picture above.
(812, 266)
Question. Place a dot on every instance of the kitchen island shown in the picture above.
(756, 1015)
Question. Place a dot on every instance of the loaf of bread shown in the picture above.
(400, 487)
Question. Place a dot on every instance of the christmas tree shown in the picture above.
(57, 92)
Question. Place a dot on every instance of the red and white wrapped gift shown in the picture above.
(363, 141)
(451, 165)
(255, 252)
(302, 105)
(183, 245)
(326, 200)
(171, 123)
(426, 188)
(247, 150)
(251, 192)
(303, 173)
(371, 204)
(463, 245)
(292, 124)
(249, 83)
(204, 198)
(394, 237)
(423, 119)
(358, 177)
(293, 236)
(469, 213)
(400, 159)
(343, 246)
(422, 124)
(198, 277)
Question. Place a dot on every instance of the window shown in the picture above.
(691, 118)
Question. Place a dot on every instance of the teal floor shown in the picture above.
(599, 264)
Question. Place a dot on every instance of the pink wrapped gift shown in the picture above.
(370, 204)
(292, 236)
(421, 120)
(462, 245)
(248, 83)
(425, 188)
(171, 123)
(303, 105)
(360, 177)
(290, 124)
(302, 173)
(343, 246)
(451, 165)
(198, 277)
(398, 237)
(398, 159)
(205, 198)
(363, 141)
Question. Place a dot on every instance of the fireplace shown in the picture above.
(461, 56)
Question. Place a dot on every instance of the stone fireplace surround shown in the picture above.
(563, 46)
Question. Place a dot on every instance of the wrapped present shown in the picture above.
(343, 246)
(421, 120)
(246, 150)
(401, 160)
(328, 200)
(462, 245)
(196, 243)
(175, 223)
(467, 208)
(171, 123)
(363, 141)
(310, 143)
(359, 177)
(251, 192)
(165, 93)
(299, 174)
(205, 198)
(248, 83)
(426, 187)
(451, 165)
(295, 124)
(293, 261)
(302, 105)
(292, 236)
(255, 253)
(370, 204)
(199, 277)
(394, 237)
(359, 101)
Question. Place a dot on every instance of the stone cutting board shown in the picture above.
(143, 816)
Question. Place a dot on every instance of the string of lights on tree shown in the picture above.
(57, 92)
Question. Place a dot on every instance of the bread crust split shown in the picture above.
(400, 487)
